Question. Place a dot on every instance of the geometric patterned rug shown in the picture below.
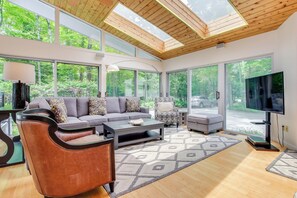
(285, 165)
(142, 164)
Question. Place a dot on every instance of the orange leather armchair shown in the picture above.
(62, 168)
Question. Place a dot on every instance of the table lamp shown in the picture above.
(21, 74)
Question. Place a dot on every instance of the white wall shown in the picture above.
(281, 43)
(286, 60)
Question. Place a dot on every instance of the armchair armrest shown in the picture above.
(41, 111)
(144, 110)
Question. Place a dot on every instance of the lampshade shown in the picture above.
(112, 68)
(19, 72)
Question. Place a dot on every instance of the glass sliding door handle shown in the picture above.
(217, 95)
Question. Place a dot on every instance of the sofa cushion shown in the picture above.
(59, 113)
(70, 103)
(73, 122)
(137, 115)
(123, 101)
(97, 106)
(93, 120)
(133, 105)
(205, 118)
(82, 106)
(112, 105)
(116, 117)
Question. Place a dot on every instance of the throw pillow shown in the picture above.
(133, 105)
(60, 113)
(56, 101)
(165, 106)
(97, 106)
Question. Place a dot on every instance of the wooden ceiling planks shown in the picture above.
(261, 16)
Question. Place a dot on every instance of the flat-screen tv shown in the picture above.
(266, 93)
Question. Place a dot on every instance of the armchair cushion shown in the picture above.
(85, 140)
(72, 136)
(133, 105)
(97, 106)
(165, 106)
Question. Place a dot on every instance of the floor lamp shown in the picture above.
(22, 75)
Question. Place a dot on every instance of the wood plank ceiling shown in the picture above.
(261, 16)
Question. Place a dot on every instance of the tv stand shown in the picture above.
(263, 144)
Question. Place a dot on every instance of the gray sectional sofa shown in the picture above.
(78, 111)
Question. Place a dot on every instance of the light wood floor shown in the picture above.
(238, 172)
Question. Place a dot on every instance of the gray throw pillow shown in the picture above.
(97, 106)
(44, 104)
(133, 105)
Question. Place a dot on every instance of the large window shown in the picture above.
(21, 19)
(238, 117)
(178, 88)
(204, 88)
(77, 80)
(121, 83)
(148, 88)
(74, 32)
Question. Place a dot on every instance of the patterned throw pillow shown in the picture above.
(60, 113)
(133, 105)
(97, 106)
(58, 101)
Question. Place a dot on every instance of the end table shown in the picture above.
(13, 151)
(183, 114)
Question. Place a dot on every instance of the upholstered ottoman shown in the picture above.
(205, 122)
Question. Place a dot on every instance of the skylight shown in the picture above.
(141, 22)
(210, 10)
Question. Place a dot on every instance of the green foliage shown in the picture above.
(18, 22)
(148, 88)
(120, 83)
(178, 88)
(236, 75)
(205, 82)
(77, 80)
(69, 37)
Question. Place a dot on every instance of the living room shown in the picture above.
(75, 45)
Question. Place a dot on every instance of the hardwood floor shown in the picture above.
(238, 171)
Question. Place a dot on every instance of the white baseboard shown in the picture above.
(288, 145)
(291, 146)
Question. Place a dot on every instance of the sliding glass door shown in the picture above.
(238, 117)
(204, 90)
(177, 82)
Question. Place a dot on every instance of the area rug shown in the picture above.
(285, 165)
(139, 165)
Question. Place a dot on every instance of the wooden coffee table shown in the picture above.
(126, 134)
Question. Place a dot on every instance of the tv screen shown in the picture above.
(266, 93)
